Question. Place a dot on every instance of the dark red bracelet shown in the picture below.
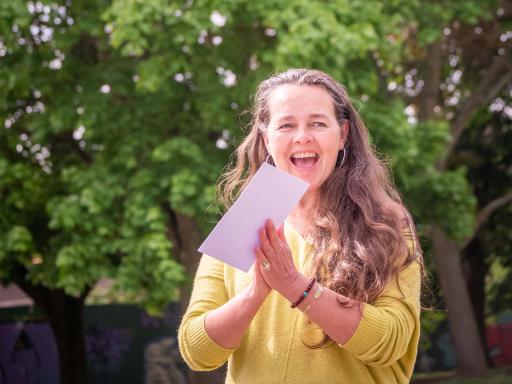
(305, 294)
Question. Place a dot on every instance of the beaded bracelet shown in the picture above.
(305, 293)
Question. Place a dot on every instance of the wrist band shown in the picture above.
(318, 292)
(316, 296)
(305, 293)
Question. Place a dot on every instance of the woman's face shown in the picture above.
(303, 136)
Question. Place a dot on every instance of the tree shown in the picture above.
(484, 149)
(472, 83)
(97, 179)
(118, 118)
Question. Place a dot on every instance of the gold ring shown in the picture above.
(266, 265)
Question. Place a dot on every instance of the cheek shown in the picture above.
(275, 145)
(332, 147)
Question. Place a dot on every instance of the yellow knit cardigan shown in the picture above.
(382, 349)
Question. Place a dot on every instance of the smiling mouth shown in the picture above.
(304, 160)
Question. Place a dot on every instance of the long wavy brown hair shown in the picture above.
(360, 225)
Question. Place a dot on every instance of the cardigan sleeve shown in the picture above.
(198, 349)
(389, 327)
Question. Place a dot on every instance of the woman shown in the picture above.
(333, 297)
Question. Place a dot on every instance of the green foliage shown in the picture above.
(112, 122)
(495, 376)
(390, 133)
(18, 240)
(497, 290)
(447, 200)
(429, 21)
(146, 273)
(430, 321)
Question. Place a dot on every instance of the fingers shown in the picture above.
(282, 240)
(262, 263)
(259, 281)
(274, 257)
(274, 240)
(260, 257)
(280, 234)
(276, 237)
(259, 274)
(265, 245)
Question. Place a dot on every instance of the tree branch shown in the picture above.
(173, 233)
(487, 211)
(495, 79)
(382, 79)
(64, 141)
(429, 96)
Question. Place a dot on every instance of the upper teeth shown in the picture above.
(302, 155)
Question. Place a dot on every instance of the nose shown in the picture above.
(303, 135)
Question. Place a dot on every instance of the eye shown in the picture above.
(319, 124)
(285, 126)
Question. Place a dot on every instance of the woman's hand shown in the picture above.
(227, 324)
(274, 259)
(259, 287)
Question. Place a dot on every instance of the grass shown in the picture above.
(495, 376)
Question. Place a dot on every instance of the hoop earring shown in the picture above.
(338, 162)
(268, 159)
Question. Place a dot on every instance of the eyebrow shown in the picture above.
(314, 115)
(319, 115)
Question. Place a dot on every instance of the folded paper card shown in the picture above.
(271, 194)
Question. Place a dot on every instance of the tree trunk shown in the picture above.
(66, 319)
(476, 268)
(65, 315)
(429, 97)
(461, 320)
(463, 328)
(190, 238)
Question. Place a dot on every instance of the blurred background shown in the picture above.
(117, 118)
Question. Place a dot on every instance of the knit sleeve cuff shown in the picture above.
(370, 331)
(204, 347)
